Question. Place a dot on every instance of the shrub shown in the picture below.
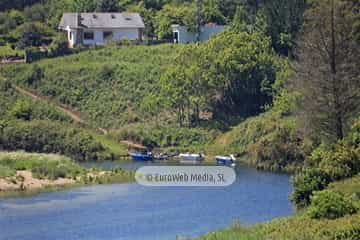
(51, 137)
(350, 233)
(305, 183)
(353, 138)
(21, 110)
(342, 162)
(339, 161)
(165, 136)
(330, 204)
(59, 46)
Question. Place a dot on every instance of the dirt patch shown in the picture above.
(24, 180)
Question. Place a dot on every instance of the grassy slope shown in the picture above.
(300, 227)
(45, 111)
(268, 141)
(105, 84)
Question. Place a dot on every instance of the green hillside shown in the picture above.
(107, 85)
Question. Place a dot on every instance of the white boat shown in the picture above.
(191, 158)
(226, 160)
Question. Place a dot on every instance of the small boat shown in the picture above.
(191, 157)
(225, 160)
(142, 156)
(161, 157)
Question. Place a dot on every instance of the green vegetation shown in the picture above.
(267, 141)
(107, 85)
(6, 51)
(344, 226)
(50, 167)
(36, 126)
(327, 165)
(165, 136)
(16, 106)
(329, 204)
(51, 137)
(279, 88)
(41, 165)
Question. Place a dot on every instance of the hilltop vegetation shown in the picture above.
(26, 24)
(106, 84)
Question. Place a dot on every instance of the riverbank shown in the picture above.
(31, 173)
(301, 226)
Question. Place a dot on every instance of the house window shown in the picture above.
(107, 35)
(88, 35)
(70, 36)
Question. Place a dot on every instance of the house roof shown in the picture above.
(101, 20)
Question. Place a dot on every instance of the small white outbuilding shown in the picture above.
(182, 35)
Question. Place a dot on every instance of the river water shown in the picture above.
(134, 212)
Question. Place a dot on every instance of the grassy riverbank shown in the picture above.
(301, 226)
(28, 173)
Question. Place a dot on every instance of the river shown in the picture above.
(134, 212)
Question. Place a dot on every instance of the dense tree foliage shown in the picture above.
(280, 20)
(327, 72)
(233, 72)
(331, 205)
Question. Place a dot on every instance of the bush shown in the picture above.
(21, 110)
(51, 137)
(342, 162)
(350, 233)
(165, 136)
(305, 183)
(329, 204)
(339, 161)
(353, 138)
(59, 46)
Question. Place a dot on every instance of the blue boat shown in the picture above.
(224, 160)
(141, 156)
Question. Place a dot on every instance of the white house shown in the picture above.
(182, 35)
(97, 28)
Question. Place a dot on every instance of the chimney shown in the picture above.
(78, 15)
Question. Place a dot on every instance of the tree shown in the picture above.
(186, 87)
(285, 18)
(29, 34)
(243, 66)
(327, 70)
(83, 5)
(231, 74)
(170, 14)
(107, 6)
(241, 19)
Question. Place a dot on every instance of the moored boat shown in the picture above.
(225, 160)
(161, 157)
(191, 158)
(141, 156)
